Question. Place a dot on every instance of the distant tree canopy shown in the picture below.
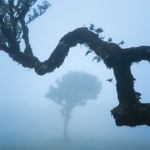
(15, 15)
(73, 89)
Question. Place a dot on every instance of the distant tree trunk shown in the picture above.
(66, 121)
(65, 135)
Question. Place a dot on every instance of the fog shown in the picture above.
(28, 120)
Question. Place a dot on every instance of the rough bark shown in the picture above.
(132, 114)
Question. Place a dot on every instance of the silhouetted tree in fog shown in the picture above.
(15, 16)
(73, 89)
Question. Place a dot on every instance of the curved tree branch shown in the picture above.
(129, 111)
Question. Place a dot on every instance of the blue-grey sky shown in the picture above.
(24, 111)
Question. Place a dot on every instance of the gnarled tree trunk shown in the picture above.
(130, 111)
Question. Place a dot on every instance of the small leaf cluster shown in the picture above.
(36, 12)
(100, 30)
(121, 43)
(97, 58)
(95, 30)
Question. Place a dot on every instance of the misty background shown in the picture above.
(26, 115)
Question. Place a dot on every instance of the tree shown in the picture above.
(14, 19)
(73, 89)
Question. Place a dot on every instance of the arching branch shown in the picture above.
(129, 111)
